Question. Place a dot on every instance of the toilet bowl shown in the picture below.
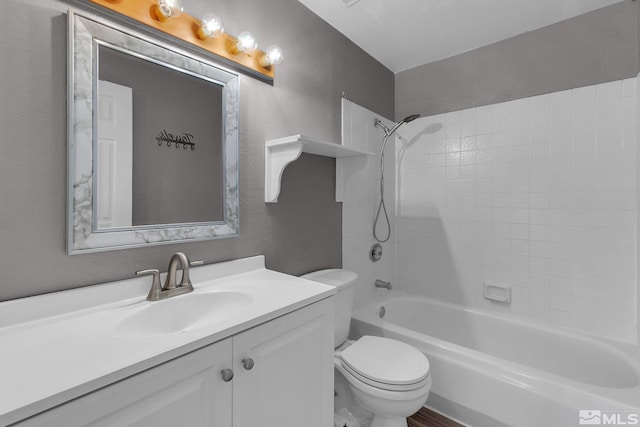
(389, 378)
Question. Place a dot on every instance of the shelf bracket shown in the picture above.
(279, 156)
(280, 152)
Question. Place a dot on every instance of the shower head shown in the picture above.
(410, 118)
(388, 132)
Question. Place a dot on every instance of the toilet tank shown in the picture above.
(343, 280)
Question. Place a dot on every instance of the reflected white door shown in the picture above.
(115, 155)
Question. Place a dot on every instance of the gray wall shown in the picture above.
(593, 48)
(300, 233)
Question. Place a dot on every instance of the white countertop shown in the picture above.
(60, 346)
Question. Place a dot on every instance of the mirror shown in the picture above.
(173, 173)
(153, 142)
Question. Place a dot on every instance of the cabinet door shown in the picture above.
(187, 391)
(291, 381)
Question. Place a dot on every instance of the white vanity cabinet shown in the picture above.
(282, 377)
(291, 381)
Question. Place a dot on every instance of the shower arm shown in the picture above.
(387, 132)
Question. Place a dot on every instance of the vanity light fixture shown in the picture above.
(210, 26)
(166, 9)
(246, 44)
(168, 16)
(272, 56)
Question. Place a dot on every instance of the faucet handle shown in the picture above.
(156, 287)
(152, 271)
(186, 280)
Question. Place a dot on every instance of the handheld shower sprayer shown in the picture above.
(388, 132)
(381, 207)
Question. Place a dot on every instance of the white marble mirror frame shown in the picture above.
(84, 34)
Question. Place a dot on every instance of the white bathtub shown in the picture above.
(491, 370)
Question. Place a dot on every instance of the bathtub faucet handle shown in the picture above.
(382, 284)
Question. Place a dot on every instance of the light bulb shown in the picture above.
(211, 26)
(272, 56)
(169, 9)
(246, 42)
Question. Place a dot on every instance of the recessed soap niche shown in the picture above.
(497, 292)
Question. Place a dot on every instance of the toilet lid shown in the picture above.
(386, 361)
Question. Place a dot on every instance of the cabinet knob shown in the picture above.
(248, 363)
(227, 375)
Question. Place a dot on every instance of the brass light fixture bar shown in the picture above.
(188, 29)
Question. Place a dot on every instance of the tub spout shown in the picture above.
(382, 284)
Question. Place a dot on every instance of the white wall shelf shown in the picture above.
(282, 151)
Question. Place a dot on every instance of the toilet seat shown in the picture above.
(383, 386)
(386, 364)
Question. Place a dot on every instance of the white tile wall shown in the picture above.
(539, 193)
(359, 180)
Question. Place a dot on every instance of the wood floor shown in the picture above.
(427, 418)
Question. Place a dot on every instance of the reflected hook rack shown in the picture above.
(186, 139)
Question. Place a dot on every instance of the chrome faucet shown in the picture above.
(382, 284)
(170, 288)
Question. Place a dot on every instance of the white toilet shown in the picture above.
(389, 378)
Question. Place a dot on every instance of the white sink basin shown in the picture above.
(182, 313)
